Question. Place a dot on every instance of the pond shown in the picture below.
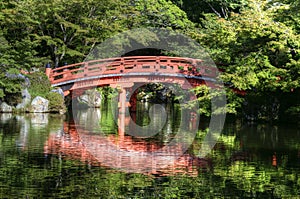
(96, 153)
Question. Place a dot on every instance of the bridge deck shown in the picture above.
(132, 66)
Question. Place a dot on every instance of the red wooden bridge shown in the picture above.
(126, 71)
(129, 72)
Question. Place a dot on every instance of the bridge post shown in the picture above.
(48, 70)
(122, 67)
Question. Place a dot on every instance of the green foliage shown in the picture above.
(294, 110)
(253, 47)
(39, 85)
(258, 54)
(107, 92)
(156, 92)
(162, 13)
(255, 42)
(196, 9)
(204, 99)
(10, 87)
(6, 59)
(208, 97)
(38, 32)
(56, 102)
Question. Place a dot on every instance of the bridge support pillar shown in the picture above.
(123, 96)
(122, 105)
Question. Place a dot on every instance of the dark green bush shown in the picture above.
(10, 88)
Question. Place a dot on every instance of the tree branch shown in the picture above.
(215, 11)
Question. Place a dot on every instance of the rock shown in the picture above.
(4, 117)
(26, 82)
(34, 70)
(62, 111)
(5, 108)
(59, 91)
(39, 105)
(26, 98)
(91, 98)
(14, 76)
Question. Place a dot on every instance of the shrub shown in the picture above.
(10, 87)
(39, 85)
(56, 102)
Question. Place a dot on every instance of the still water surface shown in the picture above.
(51, 156)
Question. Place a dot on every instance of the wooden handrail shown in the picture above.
(134, 64)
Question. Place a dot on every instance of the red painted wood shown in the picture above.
(136, 64)
(126, 71)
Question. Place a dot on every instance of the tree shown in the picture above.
(196, 9)
(67, 30)
(19, 47)
(254, 50)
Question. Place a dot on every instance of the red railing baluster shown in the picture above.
(135, 64)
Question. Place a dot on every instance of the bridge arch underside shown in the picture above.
(78, 86)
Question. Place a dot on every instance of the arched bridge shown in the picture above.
(126, 71)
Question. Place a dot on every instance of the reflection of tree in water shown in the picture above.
(248, 155)
(242, 167)
(247, 165)
(9, 124)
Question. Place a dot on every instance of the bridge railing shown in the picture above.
(135, 64)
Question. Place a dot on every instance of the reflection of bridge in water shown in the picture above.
(123, 152)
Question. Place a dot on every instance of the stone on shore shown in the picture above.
(39, 105)
(5, 108)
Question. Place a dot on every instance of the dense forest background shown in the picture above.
(255, 42)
